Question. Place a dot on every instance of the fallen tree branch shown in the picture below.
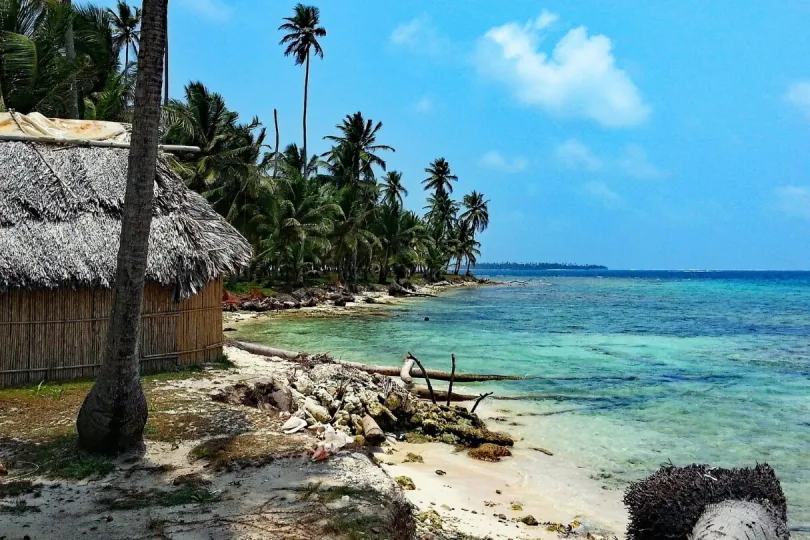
(423, 392)
(479, 400)
(371, 431)
(452, 376)
(391, 371)
(427, 378)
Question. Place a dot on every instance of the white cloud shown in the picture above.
(210, 9)
(420, 35)
(423, 105)
(496, 161)
(576, 155)
(635, 163)
(798, 95)
(600, 192)
(579, 79)
(545, 20)
(794, 201)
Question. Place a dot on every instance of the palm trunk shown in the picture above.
(113, 415)
(458, 266)
(467, 273)
(70, 52)
(165, 57)
(384, 266)
(277, 156)
(306, 93)
(126, 58)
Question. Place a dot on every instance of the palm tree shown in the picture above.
(476, 215)
(299, 227)
(112, 103)
(203, 120)
(468, 249)
(34, 74)
(301, 40)
(113, 415)
(125, 22)
(392, 190)
(440, 179)
(356, 147)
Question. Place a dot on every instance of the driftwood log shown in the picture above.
(371, 431)
(391, 371)
(424, 393)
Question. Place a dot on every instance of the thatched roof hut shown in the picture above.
(60, 221)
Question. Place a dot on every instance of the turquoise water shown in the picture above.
(646, 367)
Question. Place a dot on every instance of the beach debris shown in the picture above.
(320, 454)
(371, 431)
(530, 521)
(479, 400)
(266, 392)
(430, 518)
(543, 450)
(293, 425)
(440, 472)
(498, 491)
(3, 470)
(489, 452)
(410, 457)
(425, 374)
(517, 507)
(452, 378)
(405, 483)
(673, 501)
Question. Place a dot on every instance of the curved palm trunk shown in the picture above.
(114, 413)
(306, 94)
(70, 53)
(467, 273)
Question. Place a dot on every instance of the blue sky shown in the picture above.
(632, 134)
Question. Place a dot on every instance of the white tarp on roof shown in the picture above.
(36, 125)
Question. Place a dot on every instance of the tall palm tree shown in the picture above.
(302, 38)
(476, 215)
(392, 190)
(113, 415)
(125, 22)
(441, 178)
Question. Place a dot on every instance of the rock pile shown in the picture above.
(345, 397)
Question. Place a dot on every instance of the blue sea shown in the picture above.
(628, 369)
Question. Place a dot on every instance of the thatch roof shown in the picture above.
(60, 212)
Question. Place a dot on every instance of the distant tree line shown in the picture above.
(539, 266)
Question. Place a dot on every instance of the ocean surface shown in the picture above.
(629, 369)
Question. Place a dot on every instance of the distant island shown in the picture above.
(538, 266)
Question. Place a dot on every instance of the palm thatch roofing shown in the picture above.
(60, 222)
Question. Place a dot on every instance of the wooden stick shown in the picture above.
(452, 376)
(427, 378)
(479, 400)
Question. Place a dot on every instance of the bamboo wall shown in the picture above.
(60, 334)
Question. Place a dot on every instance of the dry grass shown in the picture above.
(253, 449)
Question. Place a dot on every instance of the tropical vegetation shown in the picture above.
(340, 213)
